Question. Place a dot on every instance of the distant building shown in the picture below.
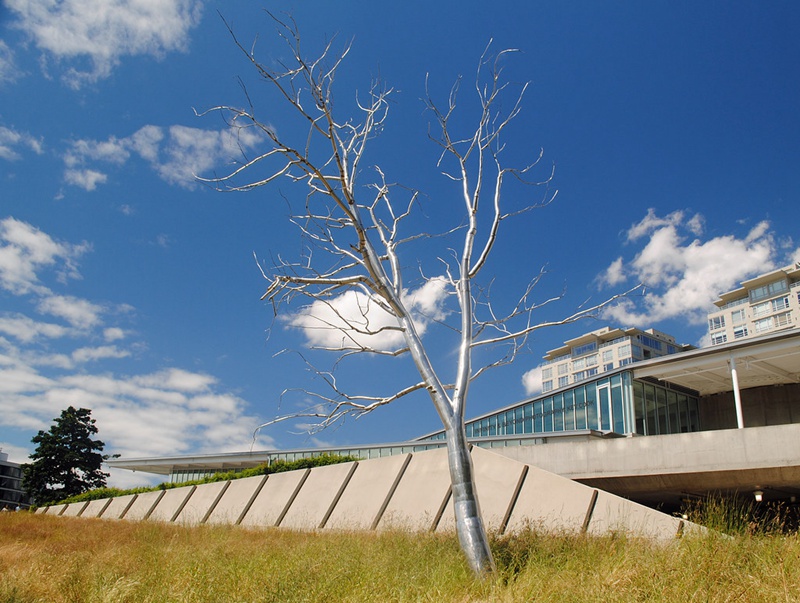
(764, 304)
(602, 351)
(11, 494)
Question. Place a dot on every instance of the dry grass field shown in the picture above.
(66, 560)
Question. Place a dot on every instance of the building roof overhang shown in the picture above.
(772, 359)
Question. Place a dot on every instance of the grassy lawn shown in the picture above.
(54, 560)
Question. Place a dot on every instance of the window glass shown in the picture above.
(558, 412)
(547, 411)
(638, 408)
(580, 408)
(569, 410)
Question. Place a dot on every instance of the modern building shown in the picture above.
(603, 351)
(764, 304)
(720, 419)
(11, 493)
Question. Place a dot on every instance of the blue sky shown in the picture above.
(129, 288)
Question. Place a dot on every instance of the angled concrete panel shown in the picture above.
(201, 503)
(74, 509)
(118, 506)
(366, 493)
(496, 479)
(42, 510)
(615, 514)
(550, 502)
(314, 502)
(423, 489)
(171, 503)
(95, 508)
(273, 500)
(143, 505)
(236, 499)
(56, 509)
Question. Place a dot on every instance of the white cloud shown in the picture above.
(16, 454)
(83, 355)
(532, 381)
(114, 334)
(178, 155)
(11, 140)
(8, 68)
(103, 32)
(24, 250)
(24, 329)
(353, 319)
(80, 313)
(684, 275)
(85, 179)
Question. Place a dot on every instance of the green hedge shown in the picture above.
(278, 466)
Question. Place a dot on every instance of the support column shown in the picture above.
(737, 396)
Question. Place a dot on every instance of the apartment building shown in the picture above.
(601, 351)
(764, 304)
(11, 493)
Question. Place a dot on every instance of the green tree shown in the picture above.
(67, 461)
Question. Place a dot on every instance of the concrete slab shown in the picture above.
(42, 510)
(550, 502)
(118, 506)
(236, 500)
(171, 503)
(420, 495)
(317, 496)
(56, 509)
(143, 505)
(273, 499)
(615, 514)
(74, 509)
(95, 508)
(367, 493)
(201, 503)
(496, 480)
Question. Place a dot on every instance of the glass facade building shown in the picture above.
(615, 403)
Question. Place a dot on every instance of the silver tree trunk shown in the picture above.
(469, 522)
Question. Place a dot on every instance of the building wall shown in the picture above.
(761, 406)
(767, 304)
(603, 351)
(11, 493)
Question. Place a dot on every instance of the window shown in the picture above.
(738, 316)
(578, 364)
(625, 361)
(608, 367)
(547, 373)
(547, 386)
(739, 332)
(624, 350)
(584, 349)
(763, 325)
(608, 355)
(591, 360)
(718, 338)
(769, 290)
(650, 342)
(579, 376)
(772, 322)
(563, 369)
(716, 322)
(563, 381)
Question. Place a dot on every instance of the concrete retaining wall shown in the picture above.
(410, 491)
